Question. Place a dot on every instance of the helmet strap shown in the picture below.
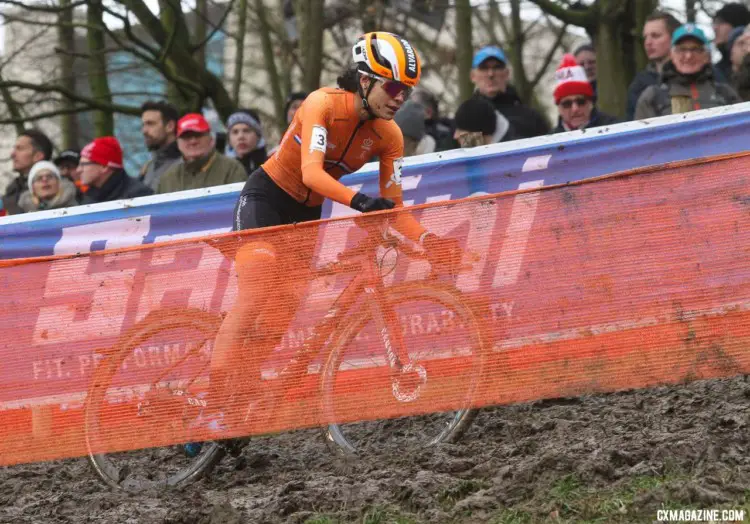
(364, 96)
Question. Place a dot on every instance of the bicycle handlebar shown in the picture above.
(350, 260)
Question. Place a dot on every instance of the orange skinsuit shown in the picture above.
(325, 141)
(307, 169)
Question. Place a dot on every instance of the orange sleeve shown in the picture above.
(391, 159)
(316, 119)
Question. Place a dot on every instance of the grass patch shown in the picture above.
(462, 489)
(321, 520)
(569, 501)
(373, 515)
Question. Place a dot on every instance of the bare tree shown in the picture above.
(613, 25)
(66, 35)
(104, 122)
(239, 57)
(464, 48)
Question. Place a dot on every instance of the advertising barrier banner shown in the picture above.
(626, 281)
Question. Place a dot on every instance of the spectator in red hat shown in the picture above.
(101, 169)
(201, 166)
(574, 98)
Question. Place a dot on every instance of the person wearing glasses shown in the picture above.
(574, 97)
(334, 132)
(687, 81)
(101, 169)
(490, 74)
(48, 189)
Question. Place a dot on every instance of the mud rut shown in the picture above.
(510, 457)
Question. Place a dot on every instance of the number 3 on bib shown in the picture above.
(318, 139)
(396, 176)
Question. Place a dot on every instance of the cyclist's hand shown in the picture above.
(442, 252)
(366, 204)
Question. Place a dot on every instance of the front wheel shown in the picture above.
(430, 401)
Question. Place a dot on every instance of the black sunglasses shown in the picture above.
(580, 102)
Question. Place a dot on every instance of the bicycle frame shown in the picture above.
(367, 282)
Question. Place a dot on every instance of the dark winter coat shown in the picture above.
(598, 119)
(677, 93)
(117, 187)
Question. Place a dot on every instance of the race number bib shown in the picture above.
(318, 139)
(396, 176)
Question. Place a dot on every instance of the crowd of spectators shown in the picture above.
(187, 154)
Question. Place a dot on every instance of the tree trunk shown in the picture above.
(201, 29)
(310, 15)
(515, 46)
(612, 77)
(464, 48)
(104, 123)
(270, 63)
(173, 20)
(239, 57)
(66, 39)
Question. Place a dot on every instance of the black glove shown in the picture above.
(365, 204)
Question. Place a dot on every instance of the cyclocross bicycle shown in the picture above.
(446, 330)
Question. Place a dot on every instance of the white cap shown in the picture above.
(43, 165)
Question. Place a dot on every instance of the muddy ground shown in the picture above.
(606, 458)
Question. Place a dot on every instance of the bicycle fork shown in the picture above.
(407, 378)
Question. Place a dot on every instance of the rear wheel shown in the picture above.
(146, 392)
(431, 402)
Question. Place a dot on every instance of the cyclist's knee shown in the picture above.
(256, 261)
(255, 252)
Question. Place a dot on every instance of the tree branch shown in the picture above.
(93, 104)
(12, 106)
(215, 30)
(21, 120)
(43, 8)
(128, 28)
(583, 18)
(549, 56)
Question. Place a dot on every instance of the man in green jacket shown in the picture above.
(201, 165)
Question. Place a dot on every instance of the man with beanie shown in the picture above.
(491, 75)
(201, 165)
(31, 147)
(47, 189)
(478, 124)
(410, 118)
(687, 80)
(574, 97)
(245, 136)
(102, 170)
(733, 14)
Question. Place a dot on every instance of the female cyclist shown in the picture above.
(335, 132)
